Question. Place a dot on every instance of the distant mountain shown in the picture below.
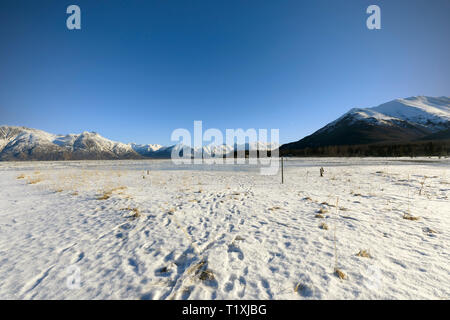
(145, 149)
(20, 143)
(397, 121)
(414, 120)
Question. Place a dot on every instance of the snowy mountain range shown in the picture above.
(400, 120)
(20, 143)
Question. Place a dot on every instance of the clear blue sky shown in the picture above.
(139, 69)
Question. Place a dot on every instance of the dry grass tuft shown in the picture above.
(274, 208)
(322, 210)
(327, 204)
(135, 213)
(206, 275)
(319, 216)
(105, 196)
(341, 275)
(323, 226)
(410, 217)
(196, 268)
(34, 181)
(364, 254)
(200, 271)
(118, 188)
(22, 176)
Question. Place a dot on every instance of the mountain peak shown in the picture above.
(21, 143)
(430, 112)
(394, 121)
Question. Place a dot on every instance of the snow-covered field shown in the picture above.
(227, 233)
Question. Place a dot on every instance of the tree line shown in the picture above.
(439, 148)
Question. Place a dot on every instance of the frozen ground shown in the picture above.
(229, 233)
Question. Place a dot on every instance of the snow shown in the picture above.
(225, 232)
(226, 148)
(420, 110)
(22, 139)
(145, 147)
(367, 114)
(433, 113)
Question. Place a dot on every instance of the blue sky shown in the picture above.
(137, 70)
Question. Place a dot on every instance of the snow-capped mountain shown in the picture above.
(145, 149)
(399, 120)
(225, 149)
(210, 150)
(432, 113)
(20, 143)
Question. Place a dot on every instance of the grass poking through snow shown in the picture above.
(341, 275)
(410, 217)
(323, 226)
(364, 254)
